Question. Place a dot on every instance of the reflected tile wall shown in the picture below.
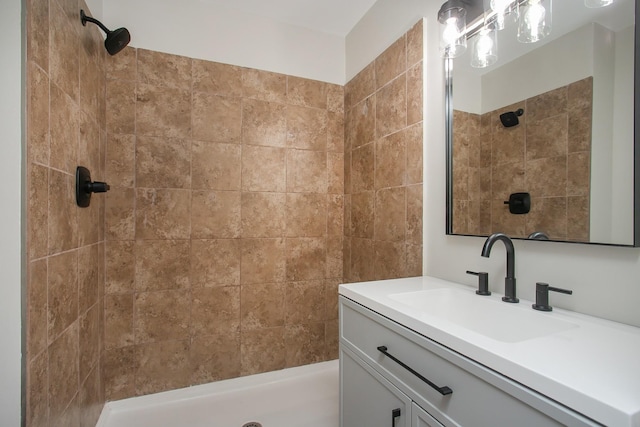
(547, 155)
(224, 224)
(65, 124)
(383, 164)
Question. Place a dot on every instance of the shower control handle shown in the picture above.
(84, 187)
(97, 187)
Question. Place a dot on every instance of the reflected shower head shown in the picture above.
(510, 118)
(116, 40)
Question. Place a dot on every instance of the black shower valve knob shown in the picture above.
(97, 187)
(84, 187)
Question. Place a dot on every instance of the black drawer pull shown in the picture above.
(442, 390)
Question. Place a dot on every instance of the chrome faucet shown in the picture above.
(510, 280)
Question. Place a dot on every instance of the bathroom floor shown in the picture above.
(305, 396)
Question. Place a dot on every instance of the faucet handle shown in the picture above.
(542, 296)
(483, 282)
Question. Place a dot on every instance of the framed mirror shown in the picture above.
(540, 144)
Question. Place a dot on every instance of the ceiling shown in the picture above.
(328, 16)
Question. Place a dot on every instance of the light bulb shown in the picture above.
(500, 4)
(450, 33)
(453, 39)
(484, 44)
(484, 51)
(500, 8)
(535, 14)
(534, 21)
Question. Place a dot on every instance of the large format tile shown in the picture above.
(163, 111)
(216, 118)
(215, 262)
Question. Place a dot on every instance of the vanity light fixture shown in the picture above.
(533, 16)
(453, 28)
(500, 9)
(485, 48)
(534, 20)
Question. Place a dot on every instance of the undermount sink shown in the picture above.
(494, 319)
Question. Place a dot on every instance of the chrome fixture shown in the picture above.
(453, 26)
(510, 279)
(116, 40)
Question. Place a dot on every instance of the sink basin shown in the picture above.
(494, 319)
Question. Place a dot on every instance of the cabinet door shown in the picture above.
(367, 399)
(421, 418)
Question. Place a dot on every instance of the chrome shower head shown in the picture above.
(116, 40)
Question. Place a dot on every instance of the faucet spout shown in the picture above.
(510, 279)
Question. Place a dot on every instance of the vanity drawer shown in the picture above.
(479, 396)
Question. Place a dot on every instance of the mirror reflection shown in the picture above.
(542, 139)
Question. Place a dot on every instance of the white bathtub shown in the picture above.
(305, 396)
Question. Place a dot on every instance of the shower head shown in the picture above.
(116, 40)
(510, 118)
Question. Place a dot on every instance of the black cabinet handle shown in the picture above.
(394, 414)
(442, 390)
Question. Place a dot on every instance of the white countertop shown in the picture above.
(593, 368)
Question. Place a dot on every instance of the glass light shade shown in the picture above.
(501, 9)
(534, 20)
(597, 3)
(485, 49)
(453, 28)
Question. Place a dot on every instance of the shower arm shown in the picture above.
(84, 18)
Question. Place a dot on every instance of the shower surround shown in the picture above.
(218, 250)
(65, 127)
(383, 158)
(224, 225)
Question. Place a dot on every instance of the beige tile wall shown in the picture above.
(547, 155)
(225, 223)
(218, 251)
(383, 164)
(65, 244)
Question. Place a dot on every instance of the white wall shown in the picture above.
(95, 7)
(200, 30)
(383, 24)
(622, 191)
(531, 75)
(601, 209)
(605, 280)
(10, 213)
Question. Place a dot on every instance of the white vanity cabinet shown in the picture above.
(370, 399)
(386, 366)
(421, 418)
